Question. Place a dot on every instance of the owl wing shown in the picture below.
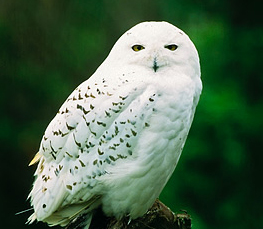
(95, 128)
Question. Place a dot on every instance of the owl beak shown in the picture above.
(155, 65)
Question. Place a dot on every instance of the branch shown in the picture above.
(158, 216)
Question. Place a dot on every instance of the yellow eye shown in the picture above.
(171, 47)
(137, 48)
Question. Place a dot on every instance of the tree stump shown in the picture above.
(158, 216)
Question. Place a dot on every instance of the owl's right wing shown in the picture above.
(96, 127)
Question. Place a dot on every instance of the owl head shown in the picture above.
(157, 47)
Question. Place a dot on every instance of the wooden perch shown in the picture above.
(158, 216)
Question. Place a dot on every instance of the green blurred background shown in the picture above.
(48, 47)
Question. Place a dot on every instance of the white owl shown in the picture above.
(116, 140)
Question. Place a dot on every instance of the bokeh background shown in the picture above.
(48, 47)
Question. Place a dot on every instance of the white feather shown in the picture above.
(116, 140)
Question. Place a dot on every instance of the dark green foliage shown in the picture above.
(49, 47)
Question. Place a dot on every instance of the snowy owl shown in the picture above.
(116, 140)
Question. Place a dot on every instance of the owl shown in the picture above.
(117, 138)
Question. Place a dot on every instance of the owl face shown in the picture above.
(148, 46)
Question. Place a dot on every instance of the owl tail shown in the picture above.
(77, 214)
(81, 218)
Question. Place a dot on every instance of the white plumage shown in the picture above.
(116, 140)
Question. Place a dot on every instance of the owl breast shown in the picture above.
(132, 187)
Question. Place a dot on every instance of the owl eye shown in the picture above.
(137, 48)
(172, 47)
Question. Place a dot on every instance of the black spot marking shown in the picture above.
(116, 130)
(44, 205)
(101, 142)
(52, 154)
(55, 133)
(134, 133)
(101, 123)
(77, 143)
(112, 158)
(121, 156)
(115, 111)
(91, 144)
(92, 132)
(81, 163)
(69, 154)
(82, 109)
(45, 178)
(56, 172)
(100, 152)
(95, 162)
(69, 187)
(107, 114)
(91, 106)
(87, 123)
(70, 127)
(112, 147)
(128, 145)
(123, 97)
(64, 134)
(53, 150)
(146, 124)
